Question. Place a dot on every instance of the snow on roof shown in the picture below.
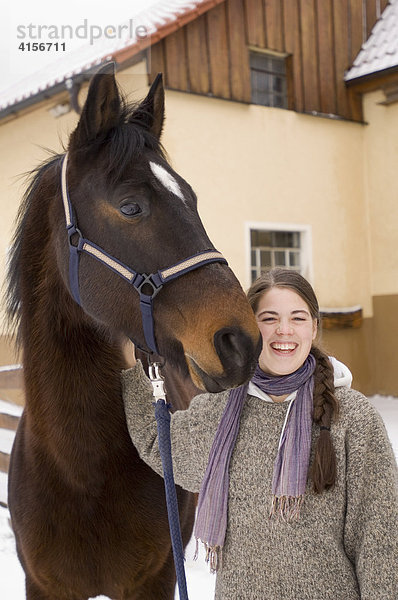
(380, 51)
(130, 39)
(343, 310)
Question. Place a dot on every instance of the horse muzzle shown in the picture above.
(237, 354)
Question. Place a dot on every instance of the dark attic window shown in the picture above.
(268, 79)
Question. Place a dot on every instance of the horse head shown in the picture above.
(127, 200)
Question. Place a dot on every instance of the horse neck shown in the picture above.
(74, 409)
(71, 367)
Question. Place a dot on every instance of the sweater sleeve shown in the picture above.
(371, 526)
(192, 430)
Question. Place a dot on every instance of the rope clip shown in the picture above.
(157, 381)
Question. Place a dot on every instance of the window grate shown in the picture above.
(271, 249)
(268, 79)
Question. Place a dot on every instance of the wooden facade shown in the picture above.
(320, 38)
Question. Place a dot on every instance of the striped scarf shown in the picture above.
(291, 463)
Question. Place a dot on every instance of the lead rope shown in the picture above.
(163, 418)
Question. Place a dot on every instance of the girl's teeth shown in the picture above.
(283, 346)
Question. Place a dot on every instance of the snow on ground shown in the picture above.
(3, 490)
(10, 409)
(200, 582)
(6, 440)
(388, 408)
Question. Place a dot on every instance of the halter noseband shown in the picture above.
(138, 280)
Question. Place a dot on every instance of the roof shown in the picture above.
(380, 51)
(159, 20)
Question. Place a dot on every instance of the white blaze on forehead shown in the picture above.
(166, 179)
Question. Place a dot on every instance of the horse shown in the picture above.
(89, 516)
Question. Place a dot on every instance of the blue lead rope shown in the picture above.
(163, 419)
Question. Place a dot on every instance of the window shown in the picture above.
(275, 249)
(268, 79)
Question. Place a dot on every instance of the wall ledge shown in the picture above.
(342, 318)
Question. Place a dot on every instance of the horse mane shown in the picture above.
(119, 148)
(13, 294)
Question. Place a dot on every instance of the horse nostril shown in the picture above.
(233, 347)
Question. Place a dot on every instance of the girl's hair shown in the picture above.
(326, 405)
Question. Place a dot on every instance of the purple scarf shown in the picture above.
(291, 463)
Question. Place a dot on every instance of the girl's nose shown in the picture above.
(284, 328)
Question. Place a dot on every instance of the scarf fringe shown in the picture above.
(286, 508)
(213, 555)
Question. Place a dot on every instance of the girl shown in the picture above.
(297, 478)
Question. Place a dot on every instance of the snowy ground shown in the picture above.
(200, 581)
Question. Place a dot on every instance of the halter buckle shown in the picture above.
(143, 279)
(73, 230)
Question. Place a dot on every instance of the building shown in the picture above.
(290, 151)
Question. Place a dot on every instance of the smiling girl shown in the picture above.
(297, 478)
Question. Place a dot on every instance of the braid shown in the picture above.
(326, 408)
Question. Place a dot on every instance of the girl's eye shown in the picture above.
(299, 319)
(130, 209)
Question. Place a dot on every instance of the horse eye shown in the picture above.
(131, 209)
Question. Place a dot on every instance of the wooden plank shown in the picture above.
(291, 104)
(218, 52)
(274, 24)
(356, 30)
(355, 105)
(198, 63)
(370, 85)
(8, 421)
(342, 320)
(293, 47)
(254, 14)
(238, 52)
(327, 76)
(157, 62)
(342, 54)
(371, 15)
(176, 61)
(310, 56)
(383, 4)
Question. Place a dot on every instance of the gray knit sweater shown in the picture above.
(345, 544)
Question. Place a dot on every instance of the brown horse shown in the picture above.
(89, 516)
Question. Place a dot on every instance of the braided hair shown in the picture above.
(326, 406)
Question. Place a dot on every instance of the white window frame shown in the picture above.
(305, 251)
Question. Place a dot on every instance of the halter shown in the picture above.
(137, 280)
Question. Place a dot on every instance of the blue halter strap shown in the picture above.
(137, 280)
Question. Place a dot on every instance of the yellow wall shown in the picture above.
(21, 149)
(381, 167)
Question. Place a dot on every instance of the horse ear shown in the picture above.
(150, 113)
(101, 110)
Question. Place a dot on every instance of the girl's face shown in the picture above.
(287, 329)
